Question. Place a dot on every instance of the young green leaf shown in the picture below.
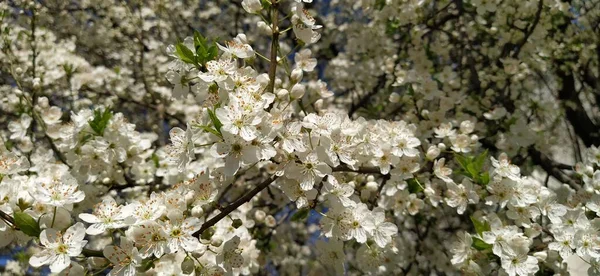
(300, 214)
(414, 186)
(480, 244)
(100, 121)
(480, 227)
(215, 121)
(185, 54)
(27, 224)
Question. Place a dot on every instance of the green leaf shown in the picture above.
(479, 161)
(480, 244)
(463, 161)
(155, 159)
(213, 51)
(485, 178)
(185, 54)
(480, 227)
(215, 121)
(147, 265)
(27, 224)
(473, 172)
(209, 129)
(100, 121)
(199, 40)
(414, 186)
(300, 214)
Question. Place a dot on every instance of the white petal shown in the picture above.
(61, 262)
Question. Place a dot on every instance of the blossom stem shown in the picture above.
(53, 217)
(274, 46)
(263, 57)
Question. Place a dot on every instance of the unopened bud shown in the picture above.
(270, 221)
(188, 266)
(281, 93)
(394, 97)
(260, 215)
(433, 152)
(298, 91)
(296, 75)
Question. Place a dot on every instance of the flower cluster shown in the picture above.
(321, 137)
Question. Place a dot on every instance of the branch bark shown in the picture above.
(233, 206)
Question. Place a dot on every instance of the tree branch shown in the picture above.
(233, 206)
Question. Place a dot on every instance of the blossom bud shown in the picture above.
(241, 38)
(252, 6)
(394, 97)
(433, 152)
(270, 221)
(296, 75)
(298, 91)
(197, 211)
(319, 104)
(541, 256)
(36, 83)
(263, 79)
(264, 28)
(216, 242)
(467, 127)
(18, 70)
(372, 186)
(441, 146)
(260, 215)
(187, 266)
(18, 92)
(281, 93)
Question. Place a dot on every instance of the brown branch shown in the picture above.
(233, 206)
(274, 45)
(553, 168)
(583, 125)
(534, 24)
(344, 168)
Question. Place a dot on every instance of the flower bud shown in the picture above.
(296, 75)
(467, 127)
(541, 256)
(270, 221)
(282, 93)
(216, 242)
(441, 146)
(187, 266)
(197, 211)
(319, 105)
(433, 152)
(298, 91)
(252, 6)
(372, 186)
(264, 28)
(394, 97)
(260, 215)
